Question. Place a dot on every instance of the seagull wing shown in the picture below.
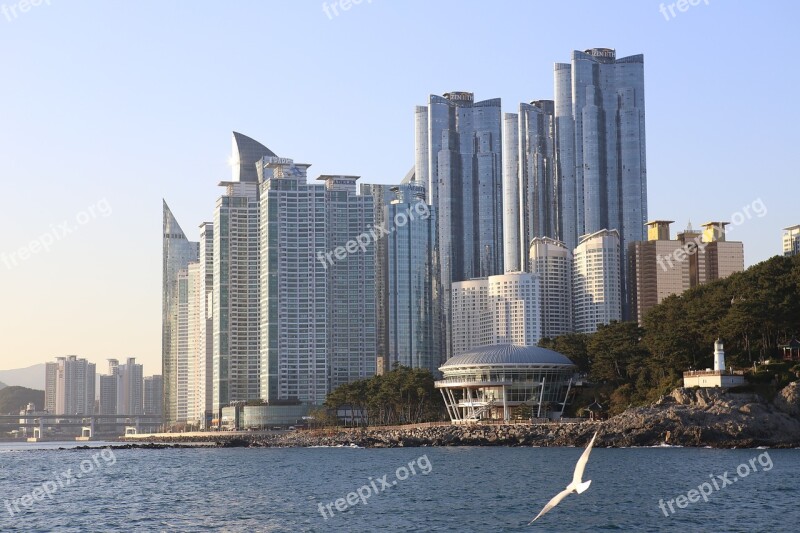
(579, 468)
(552, 503)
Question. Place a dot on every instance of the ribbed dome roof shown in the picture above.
(508, 354)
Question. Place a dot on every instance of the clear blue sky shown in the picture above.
(108, 107)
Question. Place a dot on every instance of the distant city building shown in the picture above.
(503, 309)
(791, 240)
(129, 388)
(182, 341)
(153, 391)
(600, 129)
(178, 252)
(413, 339)
(70, 386)
(552, 262)
(530, 194)
(722, 257)
(596, 280)
(458, 159)
(108, 389)
(318, 315)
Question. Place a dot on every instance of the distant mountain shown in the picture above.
(2, 385)
(31, 377)
(12, 399)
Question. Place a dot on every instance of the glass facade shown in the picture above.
(412, 336)
(178, 252)
(463, 175)
(601, 165)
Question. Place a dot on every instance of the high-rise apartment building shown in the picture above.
(153, 392)
(200, 337)
(108, 389)
(178, 252)
(596, 281)
(502, 309)
(70, 386)
(530, 194)
(722, 257)
(236, 294)
(412, 339)
(660, 266)
(791, 241)
(130, 378)
(294, 284)
(552, 261)
(458, 160)
(318, 312)
(600, 129)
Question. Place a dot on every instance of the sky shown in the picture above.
(106, 108)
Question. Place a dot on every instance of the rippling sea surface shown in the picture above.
(465, 489)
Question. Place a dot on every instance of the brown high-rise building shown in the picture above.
(661, 267)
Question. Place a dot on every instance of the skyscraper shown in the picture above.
(235, 296)
(130, 399)
(458, 159)
(201, 329)
(178, 252)
(530, 195)
(294, 284)
(552, 261)
(153, 392)
(108, 389)
(70, 386)
(317, 291)
(600, 128)
(596, 281)
(412, 339)
(503, 309)
(722, 257)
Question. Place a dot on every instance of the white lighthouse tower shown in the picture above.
(719, 356)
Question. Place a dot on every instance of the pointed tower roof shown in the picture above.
(245, 152)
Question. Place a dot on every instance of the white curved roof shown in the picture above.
(507, 354)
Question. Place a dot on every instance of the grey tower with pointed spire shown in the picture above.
(178, 252)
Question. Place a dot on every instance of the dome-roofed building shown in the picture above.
(489, 382)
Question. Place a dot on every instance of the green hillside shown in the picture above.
(752, 312)
(12, 399)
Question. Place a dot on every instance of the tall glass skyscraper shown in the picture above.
(601, 164)
(412, 338)
(530, 194)
(178, 252)
(458, 158)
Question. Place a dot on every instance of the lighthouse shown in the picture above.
(719, 356)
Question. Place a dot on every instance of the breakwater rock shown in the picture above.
(685, 417)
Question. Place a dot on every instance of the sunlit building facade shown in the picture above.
(596, 280)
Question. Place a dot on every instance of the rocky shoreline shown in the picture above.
(686, 417)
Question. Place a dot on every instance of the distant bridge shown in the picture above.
(40, 422)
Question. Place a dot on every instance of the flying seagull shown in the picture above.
(576, 486)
